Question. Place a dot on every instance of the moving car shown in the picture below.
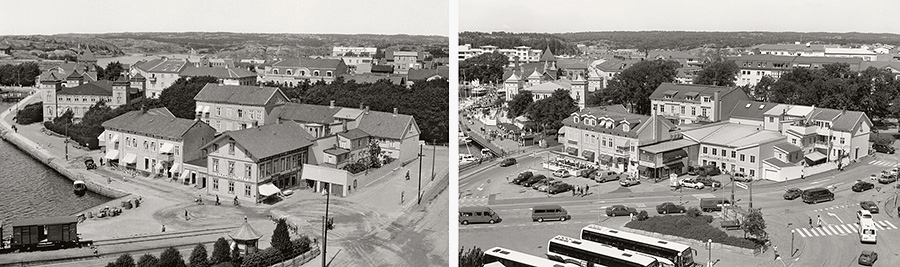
(549, 212)
(709, 182)
(523, 176)
(741, 177)
(629, 181)
(869, 205)
(861, 186)
(691, 183)
(669, 207)
(508, 162)
(477, 215)
(883, 148)
(533, 179)
(559, 188)
(792, 193)
(605, 176)
(620, 210)
(561, 173)
(862, 215)
(868, 257)
(713, 204)
(816, 195)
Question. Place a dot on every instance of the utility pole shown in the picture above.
(419, 195)
(750, 187)
(732, 188)
(433, 156)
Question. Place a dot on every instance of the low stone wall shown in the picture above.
(57, 164)
(697, 245)
(302, 258)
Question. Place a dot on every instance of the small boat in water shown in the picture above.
(80, 187)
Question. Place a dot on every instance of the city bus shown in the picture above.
(584, 253)
(511, 258)
(867, 232)
(680, 255)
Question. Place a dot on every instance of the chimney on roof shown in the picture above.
(395, 112)
(332, 104)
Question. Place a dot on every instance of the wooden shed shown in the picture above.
(62, 229)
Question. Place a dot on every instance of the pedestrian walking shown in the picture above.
(217, 199)
(401, 196)
(819, 220)
(587, 187)
(186, 218)
(775, 249)
(810, 222)
(108, 180)
(407, 174)
(164, 228)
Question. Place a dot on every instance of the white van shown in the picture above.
(867, 232)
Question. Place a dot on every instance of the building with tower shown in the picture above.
(77, 95)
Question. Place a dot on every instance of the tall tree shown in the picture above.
(172, 258)
(550, 112)
(487, 67)
(113, 71)
(472, 257)
(634, 85)
(199, 257)
(179, 97)
(148, 260)
(124, 261)
(762, 91)
(754, 224)
(719, 73)
(519, 104)
(220, 252)
(281, 239)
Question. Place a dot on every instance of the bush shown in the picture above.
(198, 257)
(30, 114)
(148, 260)
(693, 227)
(642, 215)
(694, 212)
(220, 252)
(272, 255)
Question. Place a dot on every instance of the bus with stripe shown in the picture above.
(587, 254)
(680, 255)
(511, 258)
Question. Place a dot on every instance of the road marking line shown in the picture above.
(878, 226)
(818, 232)
(827, 232)
(848, 228)
(799, 231)
(837, 229)
(891, 224)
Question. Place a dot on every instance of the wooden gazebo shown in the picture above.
(246, 238)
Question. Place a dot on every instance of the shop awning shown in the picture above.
(561, 131)
(184, 175)
(130, 158)
(176, 167)
(115, 137)
(674, 155)
(815, 156)
(642, 168)
(589, 155)
(112, 155)
(623, 143)
(268, 190)
(572, 151)
(675, 165)
(167, 148)
(605, 158)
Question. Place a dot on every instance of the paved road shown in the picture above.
(835, 244)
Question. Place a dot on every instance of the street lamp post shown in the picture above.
(66, 142)
(433, 156)
(325, 226)
(419, 194)
(709, 248)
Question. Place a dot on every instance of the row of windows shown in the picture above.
(252, 114)
(682, 109)
(247, 187)
(148, 145)
(724, 153)
(303, 72)
(266, 168)
(741, 170)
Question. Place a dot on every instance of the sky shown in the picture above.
(414, 17)
(874, 16)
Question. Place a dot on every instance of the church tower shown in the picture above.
(49, 86)
(120, 92)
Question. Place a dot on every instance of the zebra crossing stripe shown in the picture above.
(879, 227)
(827, 230)
(891, 224)
(800, 232)
(848, 228)
(839, 230)
(815, 232)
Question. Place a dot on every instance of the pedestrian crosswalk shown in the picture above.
(706, 195)
(473, 201)
(641, 205)
(836, 207)
(840, 229)
(884, 163)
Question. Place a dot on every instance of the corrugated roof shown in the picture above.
(164, 65)
(668, 146)
(703, 90)
(155, 122)
(269, 140)
(221, 73)
(546, 88)
(45, 221)
(731, 135)
(348, 113)
(777, 162)
(354, 134)
(237, 94)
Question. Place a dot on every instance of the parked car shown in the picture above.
(561, 173)
(708, 170)
(629, 181)
(886, 179)
(887, 149)
(606, 176)
(508, 162)
(542, 182)
(869, 205)
(523, 176)
(545, 187)
(709, 182)
(559, 188)
(533, 179)
(620, 210)
(792, 193)
(691, 183)
(587, 173)
(669, 207)
(861, 186)
(868, 257)
(740, 177)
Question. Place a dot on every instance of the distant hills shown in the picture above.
(223, 44)
(675, 40)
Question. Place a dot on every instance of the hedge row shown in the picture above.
(272, 256)
(80, 134)
(697, 228)
(30, 114)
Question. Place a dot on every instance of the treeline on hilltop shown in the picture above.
(684, 40)
(558, 45)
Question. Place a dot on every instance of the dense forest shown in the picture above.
(558, 45)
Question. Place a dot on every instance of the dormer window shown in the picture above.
(289, 72)
(274, 71)
(577, 119)
(315, 73)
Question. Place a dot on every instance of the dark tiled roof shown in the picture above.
(385, 125)
(354, 134)
(788, 147)
(221, 73)
(634, 120)
(313, 63)
(754, 110)
(236, 94)
(87, 56)
(162, 65)
(45, 221)
(572, 64)
(269, 140)
(547, 56)
(777, 162)
(103, 88)
(682, 89)
(201, 162)
(415, 75)
(336, 151)
(616, 65)
(383, 68)
(308, 113)
(155, 122)
(373, 78)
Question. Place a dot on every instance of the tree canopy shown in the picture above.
(23, 74)
(633, 86)
(519, 104)
(199, 257)
(113, 71)
(220, 252)
(550, 112)
(487, 67)
(171, 257)
(281, 239)
(179, 97)
(720, 73)
(754, 224)
(472, 257)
